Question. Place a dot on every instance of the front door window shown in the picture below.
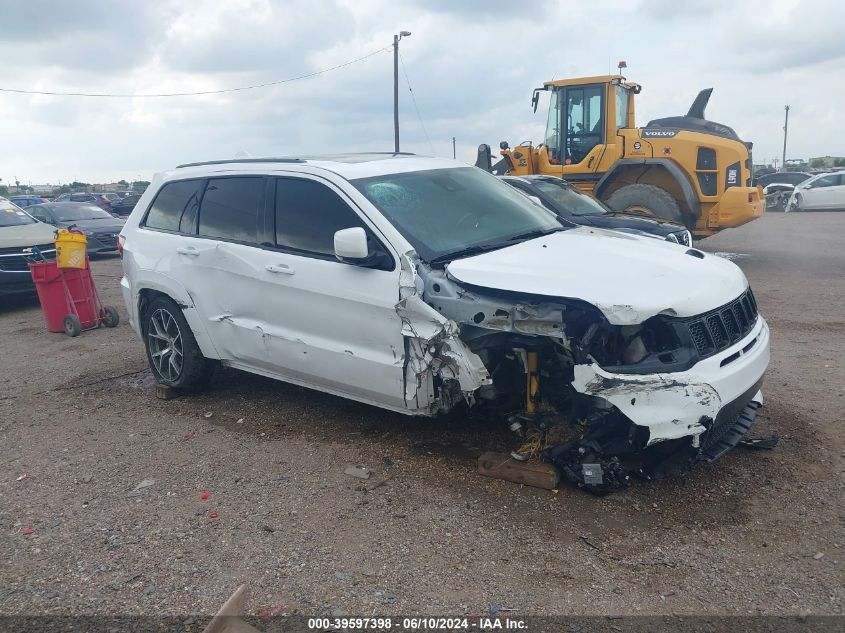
(584, 122)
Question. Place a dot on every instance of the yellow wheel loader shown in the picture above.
(683, 168)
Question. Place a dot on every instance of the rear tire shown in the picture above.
(172, 351)
(656, 201)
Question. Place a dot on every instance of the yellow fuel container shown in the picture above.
(71, 248)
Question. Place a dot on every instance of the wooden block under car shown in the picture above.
(503, 466)
(165, 392)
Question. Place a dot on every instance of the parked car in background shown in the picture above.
(26, 201)
(778, 186)
(422, 285)
(124, 206)
(92, 198)
(100, 227)
(782, 177)
(570, 204)
(19, 232)
(123, 194)
(825, 192)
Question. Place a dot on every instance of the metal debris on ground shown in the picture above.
(760, 443)
(354, 471)
(145, 483)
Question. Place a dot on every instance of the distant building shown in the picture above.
(826, 161)
(110, 187)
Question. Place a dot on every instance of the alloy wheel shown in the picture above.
(164, 340)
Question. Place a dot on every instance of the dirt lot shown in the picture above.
(757, 532)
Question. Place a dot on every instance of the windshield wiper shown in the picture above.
(530, 235)
(475, 249)
(445, 258)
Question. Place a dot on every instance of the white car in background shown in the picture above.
(421, 285)
(825, 192)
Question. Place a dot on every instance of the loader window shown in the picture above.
(553, 128)
(621, 107)
(584, 122)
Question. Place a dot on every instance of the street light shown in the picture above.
(396, 39)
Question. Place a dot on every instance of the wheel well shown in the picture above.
(145, 297)
(655, 174)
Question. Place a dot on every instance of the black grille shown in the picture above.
(717, 330)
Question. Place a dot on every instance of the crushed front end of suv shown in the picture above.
(424, 286)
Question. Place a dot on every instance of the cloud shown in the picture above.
(472, 66)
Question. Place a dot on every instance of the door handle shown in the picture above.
(187, 250)
(283, 269)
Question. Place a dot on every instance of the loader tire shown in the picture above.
(647, 198)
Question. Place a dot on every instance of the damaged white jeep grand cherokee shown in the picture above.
(420, 285)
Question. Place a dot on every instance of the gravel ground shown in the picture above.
(759, 532)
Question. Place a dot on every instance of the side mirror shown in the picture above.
(353, 246)
(350, 245)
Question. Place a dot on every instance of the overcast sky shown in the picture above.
(472, 66)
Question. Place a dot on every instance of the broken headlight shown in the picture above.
(656, 346)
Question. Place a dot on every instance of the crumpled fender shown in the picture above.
(433, 346)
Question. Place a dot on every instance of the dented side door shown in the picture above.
(318, 321)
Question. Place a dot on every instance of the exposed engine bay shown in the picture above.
(600, 401)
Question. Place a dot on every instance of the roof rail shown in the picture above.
(242, 160)
(293, 160)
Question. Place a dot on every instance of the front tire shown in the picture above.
(72, 325)
(172, 351)
(647, 198)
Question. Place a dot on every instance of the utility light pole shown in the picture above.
(785, 126)
(396, 39)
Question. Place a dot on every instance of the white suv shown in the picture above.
(420, 284)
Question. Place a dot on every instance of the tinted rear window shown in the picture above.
(230, 209)
(175, 207)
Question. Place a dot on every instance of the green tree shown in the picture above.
(816, 163)
(123, 182)
(839, 162)
(140, 185)
(4, 190)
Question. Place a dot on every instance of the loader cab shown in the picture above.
(583, 119)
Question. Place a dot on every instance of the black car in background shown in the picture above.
(100, 227)
(91, 198)
(782, 177)
(572, 205)
(124, 206)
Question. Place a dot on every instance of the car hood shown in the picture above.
(628, 223)
(26, 235)
(628, 277)
(99, 225)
